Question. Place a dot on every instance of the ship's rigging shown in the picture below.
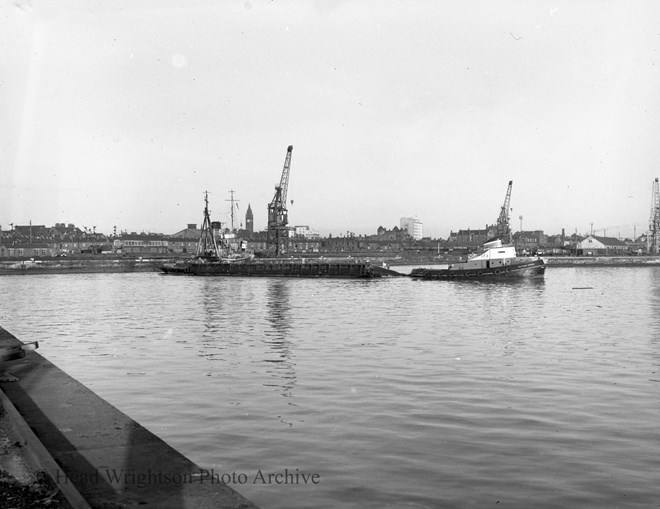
(234, 203)
(207, 245)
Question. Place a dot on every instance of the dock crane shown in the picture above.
(653, 237)
(278, 231)
(503, 229)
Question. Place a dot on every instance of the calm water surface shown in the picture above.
(397, 393)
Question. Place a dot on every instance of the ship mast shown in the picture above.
(231, 192)
(207, 246)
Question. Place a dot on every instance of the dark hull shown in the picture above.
(516, 269)
(351, 270)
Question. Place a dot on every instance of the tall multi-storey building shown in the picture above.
(413, 226)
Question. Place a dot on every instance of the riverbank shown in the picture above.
(79, 265)
(90, 265)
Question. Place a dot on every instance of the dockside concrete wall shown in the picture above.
(602, 261)
(77, 266)
(111, 459)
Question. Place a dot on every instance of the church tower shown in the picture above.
(249, 221)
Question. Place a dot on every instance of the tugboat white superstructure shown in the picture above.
(495, 261)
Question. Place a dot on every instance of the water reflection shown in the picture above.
(536, 282)
(220, 335)
(509, 309)
(654, 314)
(278, 317)
(213, 305)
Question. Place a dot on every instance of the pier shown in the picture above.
(95, 454)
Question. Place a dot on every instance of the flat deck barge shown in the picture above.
(280, 268)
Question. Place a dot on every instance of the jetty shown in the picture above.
(95, 454)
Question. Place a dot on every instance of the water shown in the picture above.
(397, 392)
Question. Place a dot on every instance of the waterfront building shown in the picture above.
(42, 241)
(470, 239)
(304, 240)
(601, 246)
(530, 242)
(302, 245)
(31, 232)
(413, 226)
(557, 245)
(142, 243)
(184, 241)
(26, 250)
(344, 244)
(395, 233)
(257, 242)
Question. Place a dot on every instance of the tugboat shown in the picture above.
(496, 260)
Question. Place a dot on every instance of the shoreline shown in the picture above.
(79, 266)
(122, 265)
(602, 261)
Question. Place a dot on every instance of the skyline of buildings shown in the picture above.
(66, 238)
(412, 225)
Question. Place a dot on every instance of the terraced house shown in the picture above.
(38, 241)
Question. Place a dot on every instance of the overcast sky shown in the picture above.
(124, 112)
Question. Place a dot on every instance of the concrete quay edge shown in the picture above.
(35, 454)
(109, 460)
(78, 266)
(602, 261)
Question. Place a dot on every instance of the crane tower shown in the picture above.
(278, 231)
(653, 238)
(503, 229)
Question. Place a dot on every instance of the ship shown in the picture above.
(495, 261)
(216, 257)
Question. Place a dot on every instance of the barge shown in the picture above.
(214, 257)
(294, 267)
(495, 261)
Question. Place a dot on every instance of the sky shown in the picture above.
(123, 113)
